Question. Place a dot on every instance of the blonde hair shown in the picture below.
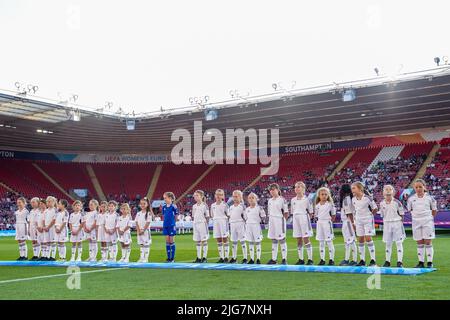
(329, 197)
(301, 184)
(359, 185)
(202, 194)
(126, 206)
(388, 186)
(95, 202)
(51, 198)
(252, 194)
(22, 199)
(239, 193)
(220, 191)
(170, 195)
(422, 182)
(35, 199)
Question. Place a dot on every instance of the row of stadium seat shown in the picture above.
(129, 180)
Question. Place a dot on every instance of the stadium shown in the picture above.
(385, 129)
(399, 127)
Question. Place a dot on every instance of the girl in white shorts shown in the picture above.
(348, 229)
(32, 228)
(254, 216)
(61, 231)
(49, 229)
(21, 215)
(392, 212)
(111, 230)
(90, 229)
(221, 226)
(302, 211)
(365, 208)
(325, 213)
(237, 226)
(40, 225)
(200, 215)
(143, 220)
(423, 209)
(76, 231)
(101, 234)
(124, 224)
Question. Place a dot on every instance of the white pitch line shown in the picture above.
(58, 275)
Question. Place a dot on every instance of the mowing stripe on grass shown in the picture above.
(58, 275)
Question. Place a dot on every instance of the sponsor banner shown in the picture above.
(307, 148)
(123, 158)
(9, 154)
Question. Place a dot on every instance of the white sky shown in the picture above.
(145, 54)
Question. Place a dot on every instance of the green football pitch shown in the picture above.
(104, 283)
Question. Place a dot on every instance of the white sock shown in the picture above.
(127, 253)
(234, 250)
(227, 250)
(420, 252)
(300, 251)
(371, 247)
(141, 249)
(309, 250)
(62, 251)
(80, 250)
(36, 249)
(251, 248)
(322, 250)
(430, 252)
(220, 247)
(274, 250)
(104, 253)
(53, 250)
(362, 251)
(113, 251)
(258, 251)
(146, 253)
(199, 250)
(244, 249)
(354, 251)
(331, 249)
(21, 247)
(205, 249)
(73, 252)
(399, 245)
(347, 251)
(283, 246)
(388, 251)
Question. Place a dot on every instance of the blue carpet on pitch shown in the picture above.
(223, 266)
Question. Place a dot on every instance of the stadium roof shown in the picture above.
(406, 103)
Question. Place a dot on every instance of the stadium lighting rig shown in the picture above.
(26, 88)
(437, 60)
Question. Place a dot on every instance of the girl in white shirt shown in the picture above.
(254, 216)
(392, 212)
(123, 230)
(219, 214)
(144, 238)
(325, 213)
(21, 228)
(423, 209)
(32, 228)
(200, 214)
